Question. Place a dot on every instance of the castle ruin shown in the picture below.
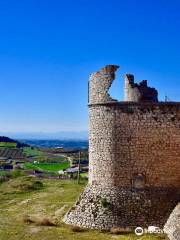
(134, 154)
(138, 92)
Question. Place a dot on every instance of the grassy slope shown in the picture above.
(52, 201)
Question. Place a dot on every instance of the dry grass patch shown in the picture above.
(120, 230)
(25, 184)
(27, 219)
(45, 222)
(76, 229)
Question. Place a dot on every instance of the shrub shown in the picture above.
(105, 203)
(37, 185)
(26, 184)
(4, 176)
(3, 179)
(17, 173)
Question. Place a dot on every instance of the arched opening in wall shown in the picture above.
(116, 91)
(138, 181)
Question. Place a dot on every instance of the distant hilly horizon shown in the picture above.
(63, 135)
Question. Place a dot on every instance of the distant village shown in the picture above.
(42, 162)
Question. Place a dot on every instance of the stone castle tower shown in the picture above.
(134, 154)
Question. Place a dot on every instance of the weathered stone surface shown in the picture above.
(172, 227)
(139, 92)
(127, 139)
(134, 153)
(99, 84)
(127, 207)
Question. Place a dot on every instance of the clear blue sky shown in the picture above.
(48, 48)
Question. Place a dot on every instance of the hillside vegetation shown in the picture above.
(11, 143)
(33, 209)
(8, 145)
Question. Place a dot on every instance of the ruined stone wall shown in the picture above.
(134, 92)
(134, 154)
(99, 84)
(128, 140)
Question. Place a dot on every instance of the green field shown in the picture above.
(26, 197)
(84, 175)
(7, 145)
(42, 157)
(47, 166)
(32, 152)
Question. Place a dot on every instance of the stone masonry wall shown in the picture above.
(125, 207)
(134, 154)
(172, 227)
(131, 142)
(127, 140)
(135, 92)
(99, 84)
